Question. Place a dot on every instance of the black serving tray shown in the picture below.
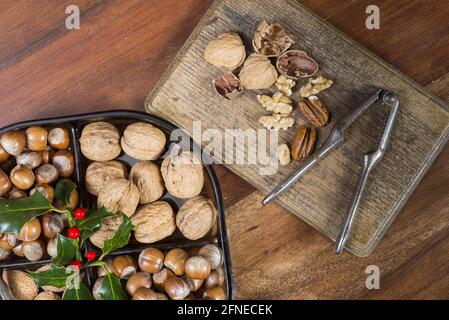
(120, 119)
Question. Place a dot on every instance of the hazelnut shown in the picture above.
(64, 161)
(148, 179)
(18, 250)
(16, 193)
(52, 224)
(8, 241)
(30, 230)
(258, 72)
(151, 260)
(228, 86)
(46, 190)
(31, 159)
(5, 183)
(144, 294)
(3, 154)
(21, 284)
(22, 177)
(47, 295)
(197, 268)
(183, 175)
(59, 138)
(107, 230)
(73, 201)
(119, 195)
(4, 254)
(97, 287)
(227, 51)
(36, 138)
(13, 142)
(33, 250)
(215, 293)
(213, 254)
(47, 156)
(176, 288)
(153, 222)
(216, 278)
(175, 260)
(161, 296)
(138, 280)
(46, 174)
(125, 266)
(271, 39)
(143, 141)
(196, 218)
(108, 267)
(99, 173)
(160, 277)
(52, 248)
(194, 284)
(100, 141)
(296, 64)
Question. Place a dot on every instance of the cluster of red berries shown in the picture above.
(74, 233)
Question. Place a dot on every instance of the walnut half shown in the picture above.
(278, 103)
(315, 86)
(277, 121)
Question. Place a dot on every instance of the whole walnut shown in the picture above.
(148, 179)
(143, 141)
(107, 230)
(258, 72)
(100, 141)
(99, 173)
(227, 51)
(153, 222)
(196, 217)
(119, 195)
(183, 175)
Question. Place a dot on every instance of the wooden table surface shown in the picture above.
(123, 48)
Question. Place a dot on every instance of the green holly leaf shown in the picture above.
(120, 238)
(63, 191)
(80, 293)
(56, 276)
(66, 250)
(92, 222)
(15, 213)
(111, 288)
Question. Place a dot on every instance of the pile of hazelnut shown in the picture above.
(36, 158)
(175, 275)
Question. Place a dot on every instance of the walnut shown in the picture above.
(153, 222)
(228, 86)
(258, 72)
(278, 103)
(227, 51)
(271, 39)
(107, 230)
(148, 179)
(315, 86)
(296, 64)
(196, 217)
(143, 141)
(99, 173)
(183, 175)
(284, 154)
(277, 121)
(100, 141)
(119, 195)
(285, 85)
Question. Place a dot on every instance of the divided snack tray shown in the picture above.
(121, 119)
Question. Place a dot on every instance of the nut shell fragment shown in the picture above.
(228, 86)
(303, 143)
(227, 51)
(258, 72)
(296, 64)
(271, 39)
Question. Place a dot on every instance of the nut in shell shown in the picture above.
(21, 284)
(315, 86)
(100, 141)
(153, 222)
(303, 143)
(314, 111)
(148, 179)
(227, 51)
(271, 39)
(196, 217)
(228, 86)
(296, 64)
(107, 230)
(258, 72)
(99, 173)
(119, 195)
(213, 254)
(143, 141)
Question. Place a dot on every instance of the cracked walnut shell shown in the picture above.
(227, 51)
(196, 217)
(258, 72)
(119, 195)
(153, 222)
(142, 141)
(303, 143)
(314, 111)
(99, 173)
(271, 39)
(100, 141)
(148, 179)
(107, 230)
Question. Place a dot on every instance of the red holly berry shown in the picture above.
(80, 213)
(91, 255)
(76, 264)
(74, 233)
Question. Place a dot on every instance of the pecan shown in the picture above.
(303, 143)
(314, 110)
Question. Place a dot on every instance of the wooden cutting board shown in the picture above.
(322, 196)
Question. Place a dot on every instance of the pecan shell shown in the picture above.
(315, 111)
(303, 143)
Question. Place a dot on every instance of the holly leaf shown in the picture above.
(80, 293)
(92, 222)
(120, 238)
(63, 191)
(111, 288)
(66, 250)
(56, 276)
(15, 213)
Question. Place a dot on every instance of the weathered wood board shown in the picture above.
(322, 196)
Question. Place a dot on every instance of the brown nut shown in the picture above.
(30, 230)
(16, 193)
(314, 111)
(296, 64)
(228, 86)
(258, 72)
(8, 241)
(3, 154)
(107, 230)
(52, 248)
(161, 296)
(31, 159)
(5, 183)
(197, 268)
(196, 218)
(108, 267)
(271, 39)
(64, 161)
(13, 142)
(46, 190)
(21, 284)
(99, 173)
(36, 138)
(144, 294)
(176, 288)
(119, 195)
(47, 295)
(303, 143)
(47, 156)
(4, 254)
(215, 293)
(52, 224)
(138, 280)
(153, 222)
(100, 141)
(142, 141)
(194, 284)
(151, 260)
(125, 266)
(216, 278)
(183, 175)
(175, 260)
(213, 254)
(33, 250)
(59, 138)
(18, 250)
(97, 287)
(22, 177)
(148, 179)
(46, 174)
(160, 277)
(227, 51)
